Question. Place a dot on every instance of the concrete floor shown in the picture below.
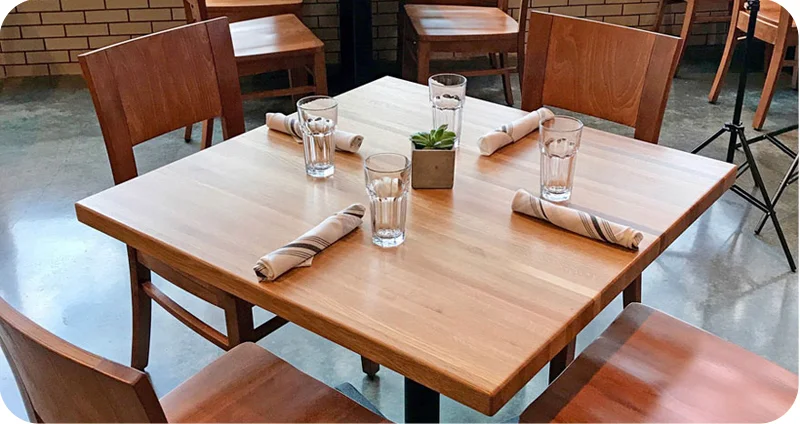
(73, 280)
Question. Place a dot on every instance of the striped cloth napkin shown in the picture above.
(301, 251)
(512, 132)
(578, 222)
(344, 140)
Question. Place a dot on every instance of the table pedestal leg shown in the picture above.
(355, 33)
(422, 403)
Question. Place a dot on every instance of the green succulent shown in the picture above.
(436, 139)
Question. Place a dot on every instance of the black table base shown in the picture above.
(355, 33)
(422, 403)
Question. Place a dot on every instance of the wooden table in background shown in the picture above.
(476, 301)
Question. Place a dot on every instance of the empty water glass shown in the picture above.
(318, 116)
(559, 140)
(448, 93)
(388, 178)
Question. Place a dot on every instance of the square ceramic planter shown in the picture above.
(432, 168)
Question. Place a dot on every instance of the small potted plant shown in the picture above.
(433, 159)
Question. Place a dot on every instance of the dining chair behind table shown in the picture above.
(649, 367)
(690, 18)
(608, 71)
(776, 28)
(460, 26)
(60, 382)
(268, 44)
(141, 89)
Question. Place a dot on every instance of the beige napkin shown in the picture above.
(578, 222)
(512, 132)
(301, 251)
(344, 140)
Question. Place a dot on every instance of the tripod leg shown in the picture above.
(707, 142)
(767, 202)
(786, 180)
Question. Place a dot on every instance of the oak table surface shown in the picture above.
(477, 300)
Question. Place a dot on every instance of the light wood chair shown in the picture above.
(267, 44)
(649, 367)
(689, 19)
(241, 10)
(141, 89)
(609, 71)
(775, 27)
(460, 26)
(60, 383)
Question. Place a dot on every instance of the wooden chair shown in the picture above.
(267, 44)
(689, 19)
(612, 72)
(460, 26)
(141, 89)
(650, 367)
(60, 382)
(241, 10)
(775, 27)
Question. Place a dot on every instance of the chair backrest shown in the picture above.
(196, 10)
(612, 72)
(155, 84)
(62, 383)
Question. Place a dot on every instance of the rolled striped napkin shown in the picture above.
(301, 251)
(512, 132)
(578, 222)
(344, 140)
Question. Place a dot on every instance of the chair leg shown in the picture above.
(423, 62)
(142, 309)
(187, 133)
(506, 80)
(369, 367)
(686, 29)
(794, 70)
(320, 74)
(238, 321)
(297, 77)
(208, 133)
(725, 62)
(562, 359)
(773, 72)
(662, 4)
(632, 293)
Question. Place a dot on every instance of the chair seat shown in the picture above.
(651, 367)
(460, 23)
(239, 10)
(282, 34)
(249, 384)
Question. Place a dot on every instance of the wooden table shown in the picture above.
(476, 301)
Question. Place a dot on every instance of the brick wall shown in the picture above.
(45, 37)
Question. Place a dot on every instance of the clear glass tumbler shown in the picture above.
(388, 176)
(559, 140)
(448, 92)
(318, 116)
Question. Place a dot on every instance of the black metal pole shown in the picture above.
(785, 183)
(355, 33)
(421, 403)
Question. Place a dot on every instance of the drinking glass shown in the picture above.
(318, 116)
(388, 177)
(559, 140)
(448, 93)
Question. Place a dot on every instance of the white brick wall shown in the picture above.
(45, 37)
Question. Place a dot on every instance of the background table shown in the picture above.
(477, 300)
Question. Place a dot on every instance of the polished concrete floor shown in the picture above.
(73, 280)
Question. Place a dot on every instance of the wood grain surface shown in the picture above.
(477, 299)
(672, 372)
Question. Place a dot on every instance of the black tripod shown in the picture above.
(738, 139)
